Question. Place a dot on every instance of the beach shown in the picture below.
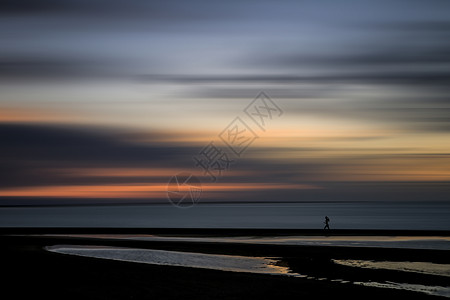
(32, 271)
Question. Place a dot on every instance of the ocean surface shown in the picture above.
(365, 215)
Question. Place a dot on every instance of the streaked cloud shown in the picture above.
(109, 99)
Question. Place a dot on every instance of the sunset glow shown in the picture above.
(359, 101)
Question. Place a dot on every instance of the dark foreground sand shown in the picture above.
(30, 272)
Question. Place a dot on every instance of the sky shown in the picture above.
(106, 101)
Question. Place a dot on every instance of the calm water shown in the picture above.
(233, 263)
(430, 216)
(262, 265)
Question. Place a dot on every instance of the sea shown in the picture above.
(343, 215)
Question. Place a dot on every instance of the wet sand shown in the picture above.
(33, 272)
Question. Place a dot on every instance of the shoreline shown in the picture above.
(55, 275)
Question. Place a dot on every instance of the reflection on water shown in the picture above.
(406, 266)
(174, 258)
(430, 290)
(261, 265)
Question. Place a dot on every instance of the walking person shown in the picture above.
(327, 223)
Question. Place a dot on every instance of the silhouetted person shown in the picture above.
(327, 223)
